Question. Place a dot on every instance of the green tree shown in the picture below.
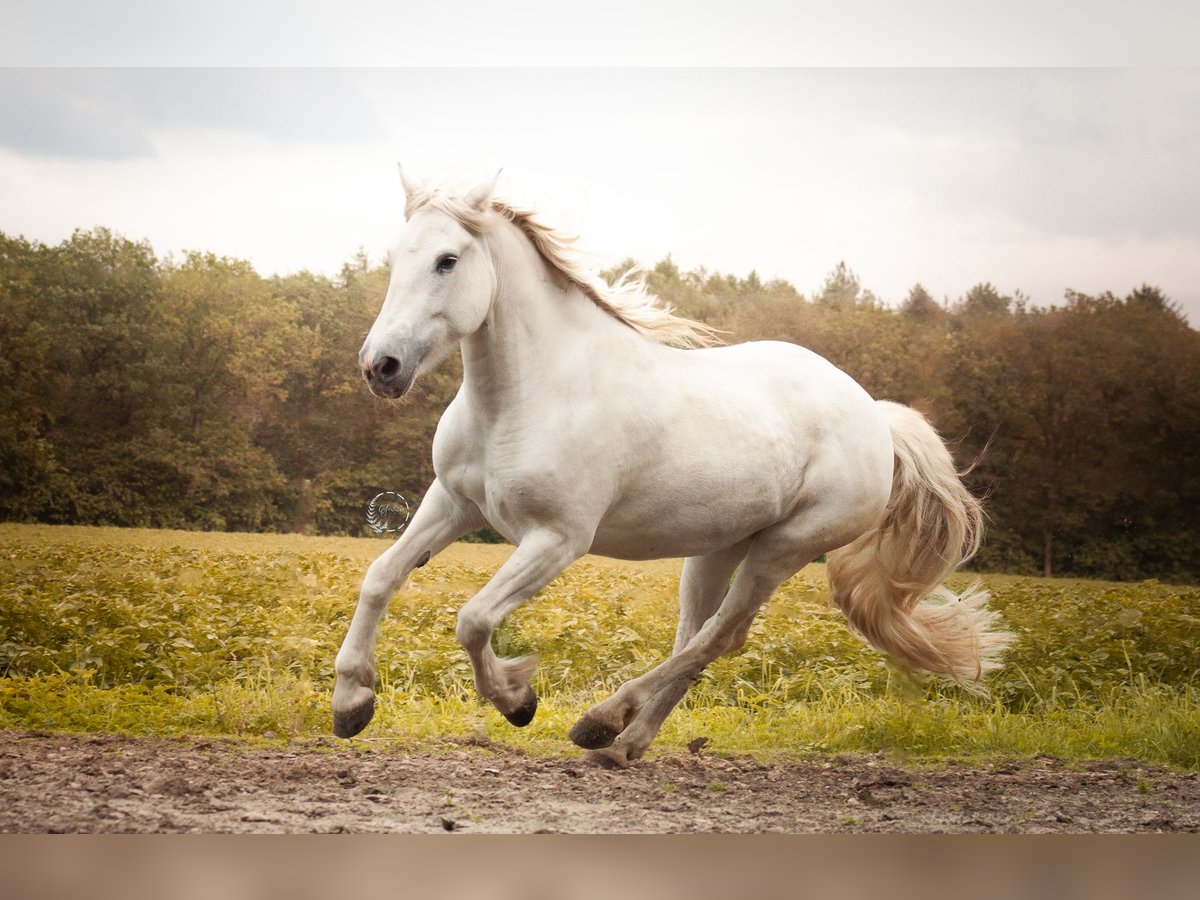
(919, 304)
(31, 476)
(841, 290)
(984, 300)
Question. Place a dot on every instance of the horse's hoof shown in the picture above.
(591, 734)
(348, 724)
(608, 758)
(523, 714)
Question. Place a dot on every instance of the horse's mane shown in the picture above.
(627, 299)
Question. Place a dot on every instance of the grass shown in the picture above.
(155, 632)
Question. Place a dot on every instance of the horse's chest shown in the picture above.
(508, 482)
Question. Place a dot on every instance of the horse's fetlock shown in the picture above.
(355, 673)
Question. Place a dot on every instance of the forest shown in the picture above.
(190, 392)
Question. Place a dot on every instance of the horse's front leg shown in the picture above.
(539, 557)
(439, 519)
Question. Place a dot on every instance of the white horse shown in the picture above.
(578, 430)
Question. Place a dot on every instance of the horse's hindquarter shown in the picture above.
(730, 441)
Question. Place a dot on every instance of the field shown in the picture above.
(230, 638)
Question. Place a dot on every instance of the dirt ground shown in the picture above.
(105, 783)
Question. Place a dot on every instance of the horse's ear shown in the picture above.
(479, 195)
(411, 188)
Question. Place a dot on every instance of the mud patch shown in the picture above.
(106, 783)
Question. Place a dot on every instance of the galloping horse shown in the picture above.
(579, 428)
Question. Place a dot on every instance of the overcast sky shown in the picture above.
(1036, 180)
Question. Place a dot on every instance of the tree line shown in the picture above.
(194, 393)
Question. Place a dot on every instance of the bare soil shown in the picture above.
(60, 782)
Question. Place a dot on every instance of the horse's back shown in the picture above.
(784, 393)
(787, 367)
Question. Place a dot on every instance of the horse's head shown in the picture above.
(441, 287)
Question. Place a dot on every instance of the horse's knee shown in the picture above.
(379, 583)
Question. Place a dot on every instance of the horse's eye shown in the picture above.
(447, 262)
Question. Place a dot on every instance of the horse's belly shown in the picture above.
(621, 543)
(692, 518)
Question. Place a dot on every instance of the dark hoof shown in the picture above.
(523, 714)
(592, 735)
(347, 725)
(608, 758)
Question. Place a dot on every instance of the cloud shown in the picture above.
(50, 113)
(116, 114)
(1093, 153)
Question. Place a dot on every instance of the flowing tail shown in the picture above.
(888, 582)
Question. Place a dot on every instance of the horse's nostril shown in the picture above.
(389, 367)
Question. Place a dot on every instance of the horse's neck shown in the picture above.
(539, 324)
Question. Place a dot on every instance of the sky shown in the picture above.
(1037, 180)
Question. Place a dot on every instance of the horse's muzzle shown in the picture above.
(388, 377)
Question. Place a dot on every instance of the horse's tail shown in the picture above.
(888, 581)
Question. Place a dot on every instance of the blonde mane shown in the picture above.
(627, 300)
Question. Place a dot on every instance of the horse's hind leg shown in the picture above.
(438, 521)
(639, 707)
(702, 587)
